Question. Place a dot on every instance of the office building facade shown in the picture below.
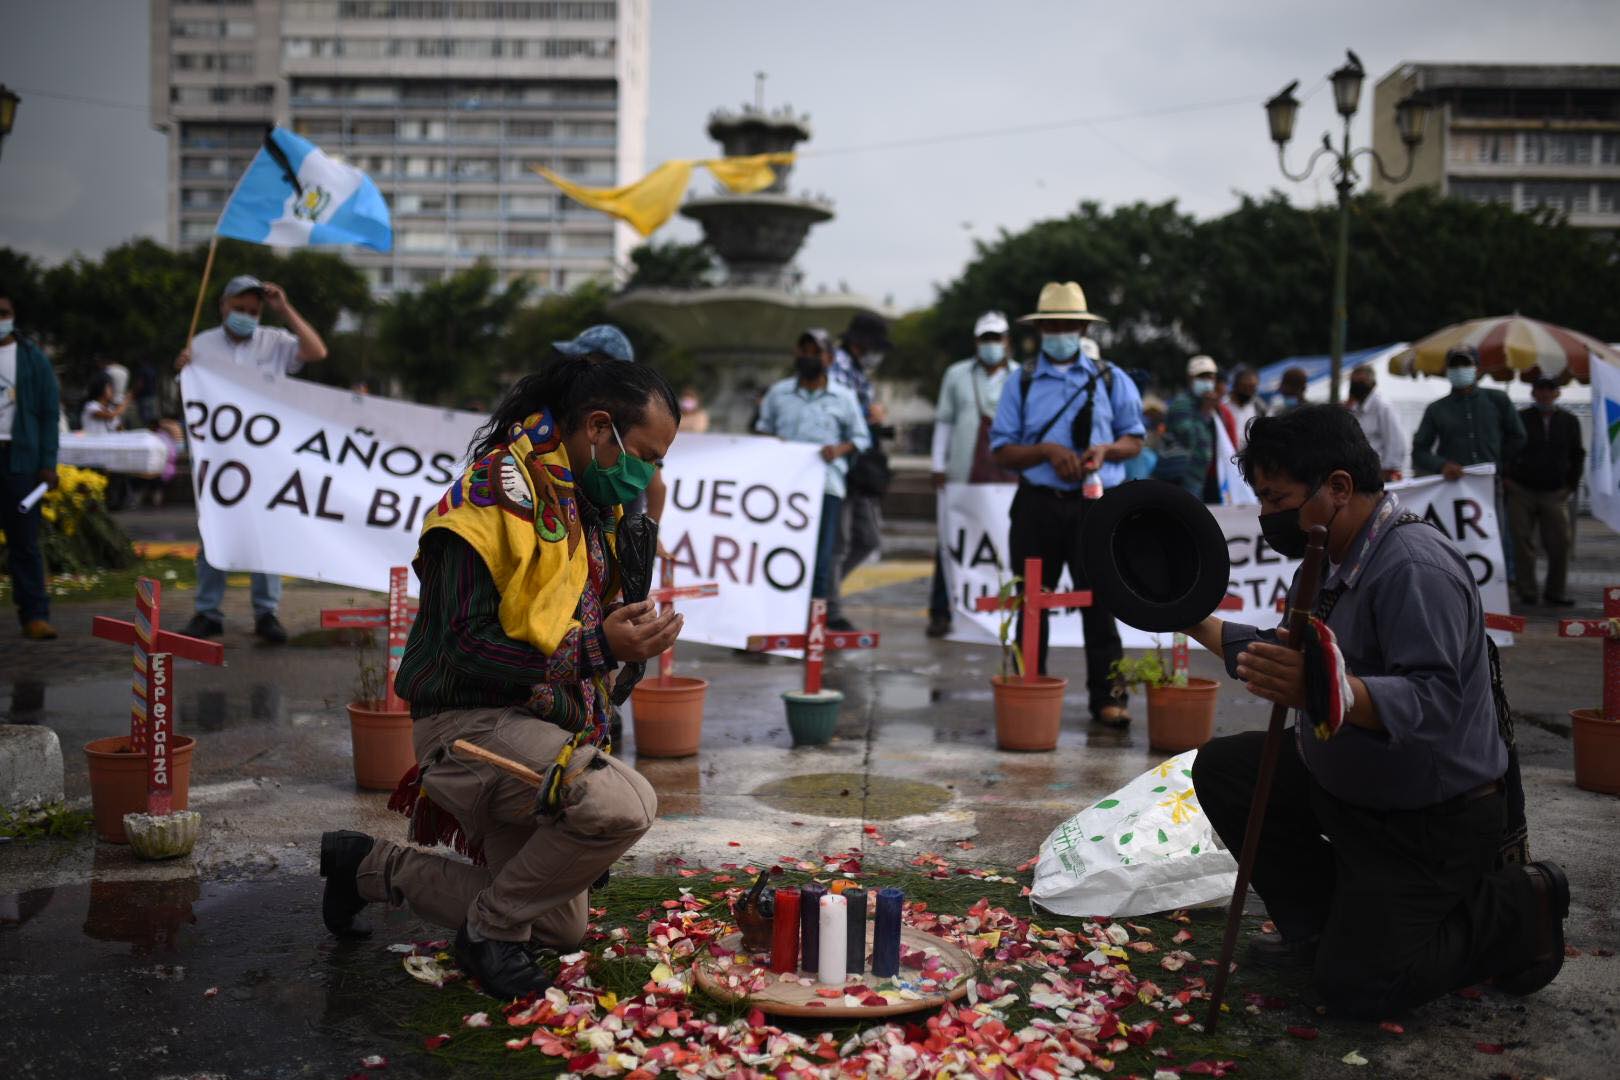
(446, 104)
(1527, 136)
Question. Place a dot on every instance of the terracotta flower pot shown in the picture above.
(812, 717)
(668, 719)
(118, 781)
(383, 750)
(1597, 751)
(1029, 714)
(1181, 717)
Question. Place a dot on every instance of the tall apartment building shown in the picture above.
(444, 103)
(1525, 135)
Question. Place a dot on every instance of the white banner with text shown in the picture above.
(973, 529)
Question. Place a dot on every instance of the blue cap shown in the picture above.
(607, 340)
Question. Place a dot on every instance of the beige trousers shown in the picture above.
(539, 868)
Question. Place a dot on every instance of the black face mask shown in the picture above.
(808, 367)
(1240, 397)
(1361, 391)
(1282, 532)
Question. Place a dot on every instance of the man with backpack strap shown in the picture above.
(1066, 425)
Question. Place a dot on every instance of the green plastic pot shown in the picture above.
(812, 717)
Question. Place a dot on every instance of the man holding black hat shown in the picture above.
(1391, 854)
(860, 351)
(1539, 483)
(241, 339)
(1067, 425)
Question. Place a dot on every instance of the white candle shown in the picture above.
(834, 911)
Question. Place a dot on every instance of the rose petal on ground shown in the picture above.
(1489, 1048)
(212, 991)
(1392, 1027)
(433, 1042)
(1353, 1058)
(374, 1061)
(1306, 1033)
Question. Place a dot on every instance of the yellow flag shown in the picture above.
(653, 200)
(645, 204)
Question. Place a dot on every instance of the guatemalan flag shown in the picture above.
(292, 195)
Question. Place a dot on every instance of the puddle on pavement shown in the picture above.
(852, 795)
(905, 691)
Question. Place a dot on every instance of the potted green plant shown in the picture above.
(1029, 710)
(381, 736)
(1180, 710)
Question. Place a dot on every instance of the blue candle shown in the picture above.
(810, 926)
(855, 951)
(886, 934)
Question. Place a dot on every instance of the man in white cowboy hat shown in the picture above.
(1067, 425)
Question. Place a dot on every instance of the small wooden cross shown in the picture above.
(1607, 628)
(397, 618)
(666, 594)
(148, 637)
(1034, 601)
(815, 641)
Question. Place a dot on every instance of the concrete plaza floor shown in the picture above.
(272, 770)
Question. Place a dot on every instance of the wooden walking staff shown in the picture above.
(815, 641)
(1307, 585)
(666, 594)
(1035, 600)
(397, 618)
(1607, 628)
(148, 637)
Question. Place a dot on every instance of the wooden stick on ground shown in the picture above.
(1310, 582)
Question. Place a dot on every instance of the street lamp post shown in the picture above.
(8, 110)
(1411, 114)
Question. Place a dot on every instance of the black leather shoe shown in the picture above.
(341, 856)
(504, 969)
(1274, 951)
(939, 626)
(1559, 601)
(201, 626)
(1552, 906)
(269, 627)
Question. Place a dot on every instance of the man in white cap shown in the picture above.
(240, 339)
(968, 396)
(1187, 451)
(1066, 426)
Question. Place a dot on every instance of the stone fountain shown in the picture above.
(744, 327)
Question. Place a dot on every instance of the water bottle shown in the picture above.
(1092, 487)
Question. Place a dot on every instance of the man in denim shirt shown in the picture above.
(1382, 856)
(1034, 434)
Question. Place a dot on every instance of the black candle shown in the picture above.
(855, 952)
(810, 927)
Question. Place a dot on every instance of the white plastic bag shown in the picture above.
(1147, 847)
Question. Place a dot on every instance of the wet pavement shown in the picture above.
(93, 942)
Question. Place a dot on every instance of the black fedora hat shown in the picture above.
(1156, 556)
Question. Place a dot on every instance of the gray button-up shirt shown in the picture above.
(1411, 626)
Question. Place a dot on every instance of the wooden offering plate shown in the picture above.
(932, 973)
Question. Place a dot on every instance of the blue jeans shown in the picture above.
(211, 591)
(827, 547)
(23, 556)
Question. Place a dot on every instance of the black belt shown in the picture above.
(1052, 492)
(1484, 791)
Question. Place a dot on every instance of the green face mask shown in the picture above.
(619, 483)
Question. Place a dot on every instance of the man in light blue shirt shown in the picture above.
(1064, 426)
(806, 408)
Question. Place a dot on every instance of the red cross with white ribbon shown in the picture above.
(1034, 600)
(1607, 628)
(151, 710)
(816, 641)
(666, 594)
(396, 618)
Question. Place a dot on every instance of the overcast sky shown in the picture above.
(1152, 74)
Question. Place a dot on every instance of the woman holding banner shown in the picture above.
(513, 650)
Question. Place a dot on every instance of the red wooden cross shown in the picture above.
(397, 618)
(147, 637)
(1607, 628)
(666, 594)
(1034, 600)
(815, 642)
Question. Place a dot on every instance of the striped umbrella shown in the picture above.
(1508, 345)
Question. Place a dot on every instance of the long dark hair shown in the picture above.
(571, 386)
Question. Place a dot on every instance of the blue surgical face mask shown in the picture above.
(1061, 347)
(1203, 386)
(1462, 377)
(7, 327)
(992, 353)
(241, 324)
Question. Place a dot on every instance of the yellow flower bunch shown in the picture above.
(76, 490)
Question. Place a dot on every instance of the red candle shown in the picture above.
(785, 931)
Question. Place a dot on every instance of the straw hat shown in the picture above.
(1062, 300)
